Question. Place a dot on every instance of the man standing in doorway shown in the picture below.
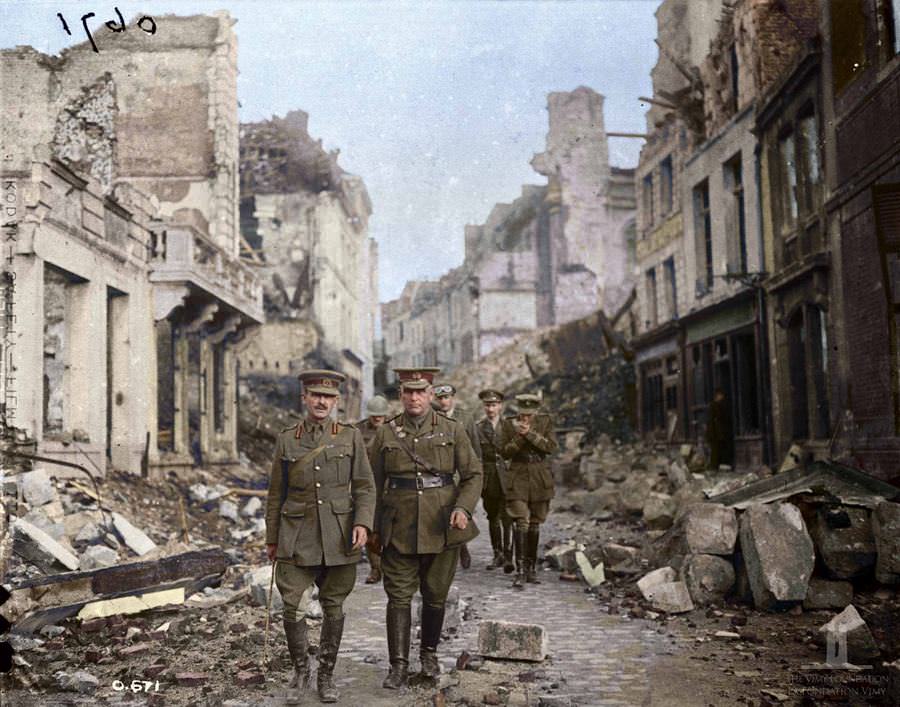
(319, 513)
(493, 495)
(445, 402)
(428, 481)
(719, 433)
(527, 441)
(377, 410)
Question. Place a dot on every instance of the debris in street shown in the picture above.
(136, 539)
(659, 511)
(672, 598)
(844, 540)
(710, 529)
(34, 545)
(80, 681)
(228, 510)
(593, 575)
(886, 529)
(97, 556)
(37, 487)
(650, 581)
(778, 553)
(827, 594)
(709, 578)
(512, 641)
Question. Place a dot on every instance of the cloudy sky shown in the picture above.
(439, 106)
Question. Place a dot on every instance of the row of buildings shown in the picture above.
(768, 227)
(556, 254)
(151, 260)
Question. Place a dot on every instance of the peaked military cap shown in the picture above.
(528, 402)
(490, 395)
(316, 380)
(416, 378)
(444, 389)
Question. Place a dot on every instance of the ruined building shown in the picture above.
(760, 214)
(129, 295)
(304, 222)
(557, 253)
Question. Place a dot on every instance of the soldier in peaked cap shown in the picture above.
(422, 517)
(319, 513)
(377, 410)
(527, 441)
(493, 496)
(445, 402)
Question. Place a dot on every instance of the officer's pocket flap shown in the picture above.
(337, 452)
(341, 505)
(293, 509)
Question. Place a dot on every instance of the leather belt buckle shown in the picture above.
(420, 483)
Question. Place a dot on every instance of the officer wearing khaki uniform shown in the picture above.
(377, 410)
(423, 516)
(445, 402)
(526, 442)
(493, 495)
(319, 512)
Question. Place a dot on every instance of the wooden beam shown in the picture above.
(642, 136)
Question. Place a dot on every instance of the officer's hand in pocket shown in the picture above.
(459, 519)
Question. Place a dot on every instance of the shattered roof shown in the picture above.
(825, 481)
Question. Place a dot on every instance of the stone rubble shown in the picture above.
(134, 538)
(512, 641)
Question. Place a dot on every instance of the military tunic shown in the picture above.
(492, 493)
(530, 483)
(420, 547)
(329, 490)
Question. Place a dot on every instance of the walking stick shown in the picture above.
(268, 615)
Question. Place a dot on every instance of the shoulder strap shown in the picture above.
(412, 455)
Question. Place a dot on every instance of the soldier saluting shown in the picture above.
(319, 512)
(526, 441)
(423, 516)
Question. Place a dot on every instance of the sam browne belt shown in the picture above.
(420, 482)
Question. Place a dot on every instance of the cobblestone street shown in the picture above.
(595, 658)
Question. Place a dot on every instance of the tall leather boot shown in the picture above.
(298, 647)
(531, 548)
(398, 626)
(432, 623)
(496, 543)
(508, 565)
(519, 540)
(329, 644)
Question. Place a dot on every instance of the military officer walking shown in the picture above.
(377, 410)
(319, 512)
(445, 402)
(423, 516)
(526, 441)
(493, 495)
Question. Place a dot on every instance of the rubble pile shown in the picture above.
(675, 538)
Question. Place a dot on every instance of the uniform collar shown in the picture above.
(313, 427)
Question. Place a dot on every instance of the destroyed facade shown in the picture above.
(768, 189)
(304, 222)
(554, 255)
(130, 299)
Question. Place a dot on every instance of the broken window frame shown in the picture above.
(671, 287)
(647, 200)
(737, 216)
(703, 231)
(666, 186)
(652, 294)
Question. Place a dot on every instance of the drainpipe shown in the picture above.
(762, 330)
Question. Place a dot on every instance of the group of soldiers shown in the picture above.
(405, 487)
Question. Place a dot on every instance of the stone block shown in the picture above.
(562, 557)
(228, 510)
(826, 594)
(135, 539)
(593, 575)
(34, 545)
(778, 553)
(37, 488)
(709, 578)
(659, 511)
(259, 579)
(710, 529)
(97, 556)
(886, 530)
(511, 641)
(80, 681)
(252, 507)
(678, 474)
(650, 581)
(634, 490)
(849, 626)
(615, 554)
(672, 597)
(844, 540)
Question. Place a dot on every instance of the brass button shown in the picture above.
(317, 467)
(418, 473)
(318, 485)
(319, 501)
(420, 493)
(415, 439)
